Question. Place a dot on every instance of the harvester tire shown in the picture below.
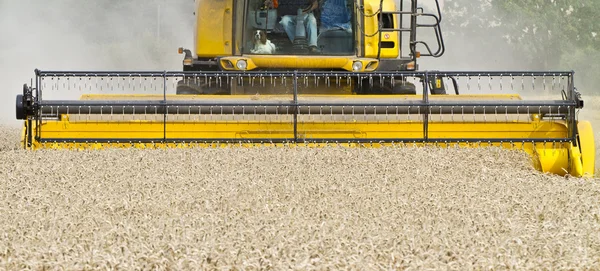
(199, 88)
(405, 88)
(20, 108)
(186, 89)
(375, 87)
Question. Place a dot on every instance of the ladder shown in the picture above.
(415, 12)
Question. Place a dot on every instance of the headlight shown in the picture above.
(241, 64)
(357, 66)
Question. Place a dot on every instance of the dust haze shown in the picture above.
(144, 35)
(88, 35)
(465, 49)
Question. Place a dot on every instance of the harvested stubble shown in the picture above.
(336, 208)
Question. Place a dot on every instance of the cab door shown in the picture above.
(214, 28)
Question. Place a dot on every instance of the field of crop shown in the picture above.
(304, 209)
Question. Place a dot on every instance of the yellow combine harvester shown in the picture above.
(351, 80)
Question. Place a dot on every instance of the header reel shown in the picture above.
(314, 109)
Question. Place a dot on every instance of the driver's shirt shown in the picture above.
(335, 14)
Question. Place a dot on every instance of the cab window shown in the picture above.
(271, 28)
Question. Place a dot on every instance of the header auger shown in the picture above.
(356, 90)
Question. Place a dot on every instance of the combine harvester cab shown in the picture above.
(365, 95)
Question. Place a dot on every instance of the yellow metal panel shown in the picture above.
(550, 157)
(576, 165)
(299, 62)
(393, 52)
(554, 158)
(112, 127)
(371, 25)
(214, 28)
(289, 62)
(587, 147)
(315, 62)
(557, 158)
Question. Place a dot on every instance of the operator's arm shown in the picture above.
(312, 5)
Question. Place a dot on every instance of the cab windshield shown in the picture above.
(272, 29)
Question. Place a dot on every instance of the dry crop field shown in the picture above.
(301, 209)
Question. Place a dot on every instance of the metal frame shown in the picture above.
(412, 30)
(425, 106)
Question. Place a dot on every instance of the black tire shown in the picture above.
(404, 88)
(20, 109)
(376, 88)
(189, 87)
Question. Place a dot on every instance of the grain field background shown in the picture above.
(264, 208)
(298, 209)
